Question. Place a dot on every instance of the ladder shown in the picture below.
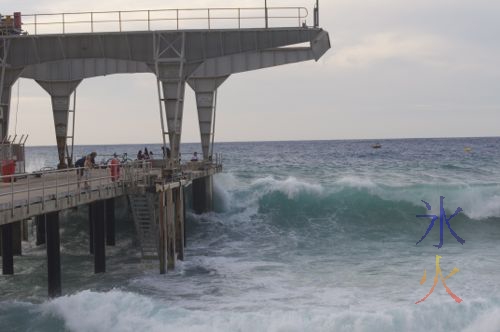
(4, 52)
(70, 139)
(179, 60)
(144, 215)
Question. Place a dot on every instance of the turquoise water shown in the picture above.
(306, 236)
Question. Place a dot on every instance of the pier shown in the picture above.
(58, 51)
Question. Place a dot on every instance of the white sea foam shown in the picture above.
(125, 311)
(355, 182)
(291, 186)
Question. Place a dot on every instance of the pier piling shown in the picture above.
(91, 230)
(170, 231)
(7, 252)
(24, 230)
(162, 236)
(202, 195)
(17, 248)
(179, 222)
(53, 253)
(99, 230)
(40, 229)
(110, 222)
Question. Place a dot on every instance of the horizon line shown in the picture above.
(291, 140)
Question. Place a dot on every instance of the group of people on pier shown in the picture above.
(147, 155)
(85, 165)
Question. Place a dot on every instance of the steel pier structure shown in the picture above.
(59, 59)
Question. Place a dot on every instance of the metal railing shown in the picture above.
(164, 19)
(23, 190)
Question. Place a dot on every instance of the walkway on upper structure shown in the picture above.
(164, 19)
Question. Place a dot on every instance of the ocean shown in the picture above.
(305, 236)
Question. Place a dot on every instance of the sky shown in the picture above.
(397, 69)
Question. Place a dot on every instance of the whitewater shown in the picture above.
(305, 236)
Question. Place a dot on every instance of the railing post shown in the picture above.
(35, 24)
(177, 10)
(120, 20)
(43, 192)
(239, 18)
(91, 22)
(67, 176)
(12, 193)
(208, 18)
(265, 5)
(316, 14)
(28, 182)
(100, 183)
(63, 20)
(57, 187)
(149, 20)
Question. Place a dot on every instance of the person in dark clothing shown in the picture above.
(80, 164)
(92, 158)
(140, 156)
(166, 151)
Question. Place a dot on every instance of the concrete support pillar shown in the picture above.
(53, 254)
(40, 229)
(7, 254)
(110, 222)
(60, 92)
(173, 92)
(204, 89)
(170, 214)
(4, 112)
(6, 82)
(17, 248)
(99, 228)
(162, 249)
(179, 222)
(202, 195)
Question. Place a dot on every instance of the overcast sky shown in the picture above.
(397, 69)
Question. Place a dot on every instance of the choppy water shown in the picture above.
(307, 236)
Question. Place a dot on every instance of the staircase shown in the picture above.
(143, 211)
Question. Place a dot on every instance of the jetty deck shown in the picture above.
(23, 196)
(196, 48)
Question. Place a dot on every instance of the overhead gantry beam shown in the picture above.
(202, 58)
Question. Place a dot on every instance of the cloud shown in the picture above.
(391, 46)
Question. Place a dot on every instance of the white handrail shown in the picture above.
(124, 19)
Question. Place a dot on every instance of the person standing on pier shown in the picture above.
(140, 156)
(194, 157)
(87, 169)
(115, 168)
(92, 158)
(166, 152)
(80, 164)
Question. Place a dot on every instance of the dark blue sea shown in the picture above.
(306, 236)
